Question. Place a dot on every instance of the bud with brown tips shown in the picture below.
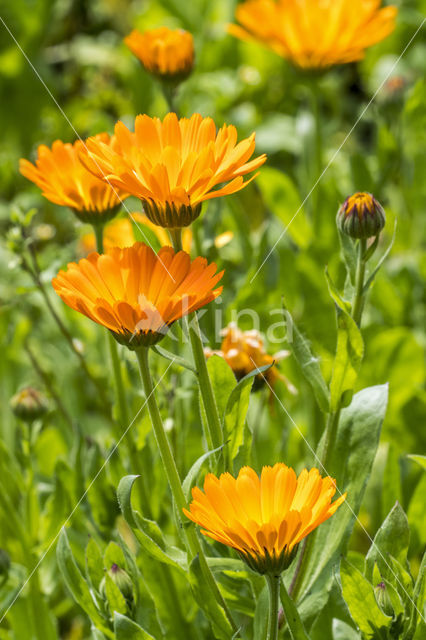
(361, 216)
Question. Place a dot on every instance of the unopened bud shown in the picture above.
(122, 580)
(383, 599)
(29, 404)
(361, 216)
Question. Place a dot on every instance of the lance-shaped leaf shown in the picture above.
(349, 353)
(391, 539)
(77, 584)
(359, 596)
(309, 364)
(126, 629)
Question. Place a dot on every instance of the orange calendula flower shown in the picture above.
(265, 518)
(315, 34)
(65, 181)
(168, 53)
(244, 351)
(173, 165)
(136, 293)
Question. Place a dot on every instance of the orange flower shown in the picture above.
(244, 351)
(174, 165)
(121, 233)
(315, 34)
(168, 53)
(136, 293)
(265, 518)
(65, 181)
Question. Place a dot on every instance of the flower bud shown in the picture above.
(29, 404)
(383, 599)
(361, 216)
(4, 563)
(122, 580)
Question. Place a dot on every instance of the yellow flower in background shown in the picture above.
(265, 518)
(168, 53)
(244, 351)
(64, 180)
(136, 293)
(121, 233)
(315, 34)
(174, 165)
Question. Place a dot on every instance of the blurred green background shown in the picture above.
(80, 78)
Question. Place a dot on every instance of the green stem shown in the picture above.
(359, 296)
(193, 544)
(273, 583)
(176, 238)
(214, 434)
(169, 92)
(332, 425)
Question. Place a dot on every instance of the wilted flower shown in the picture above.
(244, 351)
(136, 293)
(64, 180)
(173, 165)
(167, 53)
(361, 216)
(315, 34)
(265, 518)
(29, 404)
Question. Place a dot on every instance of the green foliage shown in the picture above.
(61, 478)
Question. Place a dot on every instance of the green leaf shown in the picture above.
(235, 413)
(419, 596)
(222, 380)
(126, 629)
(77, 585)
(114, 555)
(421, 460)
(359, 596)
(283, 200)
(392, 539)
(371, 277)
(294, 623)
(335, 294)
(174, 358)
(94, 564)
(349, 353)
(204, 597)
(261, 615)
(192, 474)
(391, 488)
(146, 531)
(116, 600)
(354, 451)
(226, 564)
(416, 512)
(309, 365)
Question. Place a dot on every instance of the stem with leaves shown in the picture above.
(273, 583)
(193, 543)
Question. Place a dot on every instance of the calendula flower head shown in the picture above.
(173, 165)
(263, 518)
(244, 351)
(361, 216)
(121, 233)
(29, 404)
(136, 293)
(64, 180)
(315, 34)
(167, 53)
